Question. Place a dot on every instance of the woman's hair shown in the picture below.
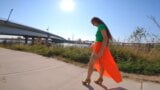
(99, 21)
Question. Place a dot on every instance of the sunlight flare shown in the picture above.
(67, 5)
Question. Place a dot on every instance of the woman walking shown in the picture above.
(101, 58)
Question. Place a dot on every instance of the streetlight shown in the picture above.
(10, 14)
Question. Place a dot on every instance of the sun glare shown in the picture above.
(67, 5)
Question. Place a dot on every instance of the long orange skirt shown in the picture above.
(107, 62)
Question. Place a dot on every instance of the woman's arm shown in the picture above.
(104, 42)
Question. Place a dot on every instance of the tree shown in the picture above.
(157, 37)
(138, 36)
(155, 21)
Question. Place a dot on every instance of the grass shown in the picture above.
(137, 60)
(129, 59)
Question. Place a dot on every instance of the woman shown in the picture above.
(101, 58)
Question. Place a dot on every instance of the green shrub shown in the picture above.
(77, 54)
(129, 59)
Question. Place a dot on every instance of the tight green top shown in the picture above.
(99, 37)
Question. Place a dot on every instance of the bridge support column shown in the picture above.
(46, 41)
(26, 39)
(33, 40)
(52, 40)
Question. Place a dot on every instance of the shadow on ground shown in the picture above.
(89, 87)
(104, 87)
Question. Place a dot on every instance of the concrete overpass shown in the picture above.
(12, 28)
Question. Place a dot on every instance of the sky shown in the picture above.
(121, 16)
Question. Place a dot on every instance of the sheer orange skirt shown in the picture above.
(107, 62)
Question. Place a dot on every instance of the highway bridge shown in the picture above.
(12, 28)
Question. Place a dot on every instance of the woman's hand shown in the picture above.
(96, 56)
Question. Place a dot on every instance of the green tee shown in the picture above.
(99, 37)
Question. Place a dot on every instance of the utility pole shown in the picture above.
(47, 35)
(72, 37)
(10, 14)
(48, 31)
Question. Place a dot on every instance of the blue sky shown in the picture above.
(121, 16)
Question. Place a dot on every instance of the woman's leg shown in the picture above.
(90, 71)
(100, 79)
(101, 73)
(90, 67)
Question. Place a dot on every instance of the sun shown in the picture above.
(67, 5)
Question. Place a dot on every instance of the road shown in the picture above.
(28, 71)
